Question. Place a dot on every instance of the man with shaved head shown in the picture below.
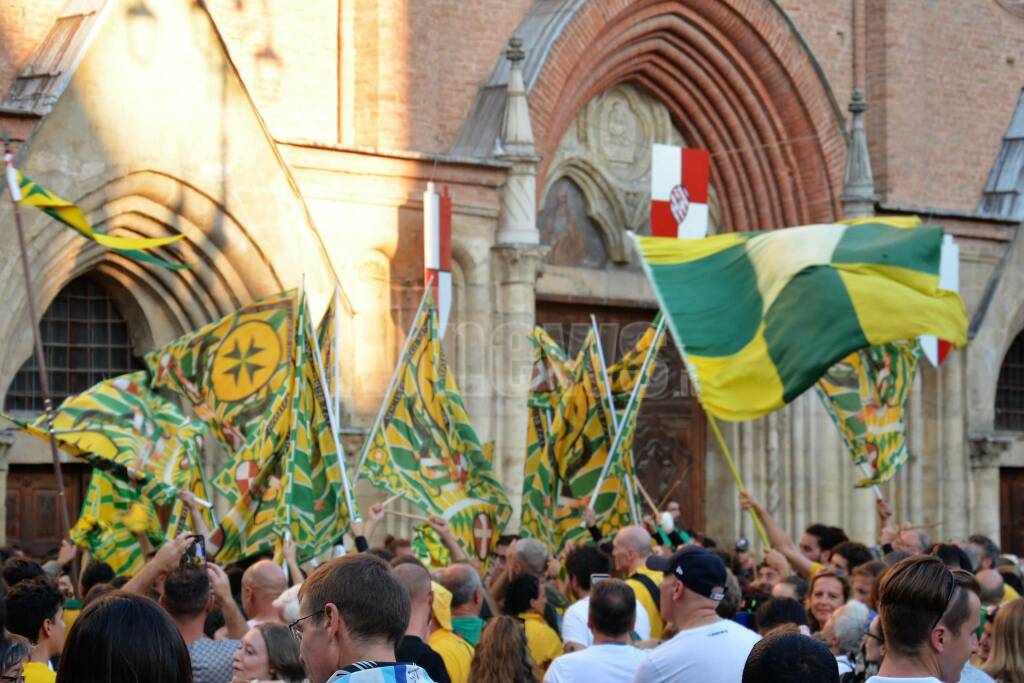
(413, 648)
(467, 590)
(262, 583)
(630, 550)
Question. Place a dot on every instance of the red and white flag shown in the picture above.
(437, 251)
(936, 350)
(679, 192)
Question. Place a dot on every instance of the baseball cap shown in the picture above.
(699, 569)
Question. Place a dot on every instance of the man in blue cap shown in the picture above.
(707, 648)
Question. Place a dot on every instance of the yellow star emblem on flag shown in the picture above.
(245, 360)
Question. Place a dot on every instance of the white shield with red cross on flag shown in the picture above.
(482, 534)
(679, 192)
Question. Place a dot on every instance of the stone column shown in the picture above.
(986, 452)
(516, 258)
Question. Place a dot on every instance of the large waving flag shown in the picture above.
(31, 193)
(113, 515)
(123, 427)
(866, 396)
(760, 317)
(425, 447)
(237, 373)
(552, 371)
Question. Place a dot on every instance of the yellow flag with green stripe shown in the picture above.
(760, 317)
(30, 193)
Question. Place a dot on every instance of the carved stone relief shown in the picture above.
(606, 154)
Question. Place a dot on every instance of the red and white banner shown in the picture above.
(437, 251)
(679, 192)
(936, 350)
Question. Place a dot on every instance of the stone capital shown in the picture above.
(987, 449)
(518, 263)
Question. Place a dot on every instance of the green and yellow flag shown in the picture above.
(426, 448)
(315, 510)
(113, 515)
(866, 395)
(30, 193)
(760, 317)
(238, 375)
(249, 527)
(552, 371)
(583, 433)
(124, 428)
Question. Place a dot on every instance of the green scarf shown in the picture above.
(469, 628)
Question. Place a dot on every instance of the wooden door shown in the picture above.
(670, 440)
(1011, 510)
(33, 512)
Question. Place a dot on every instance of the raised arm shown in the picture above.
(234, 621)
(779, 539)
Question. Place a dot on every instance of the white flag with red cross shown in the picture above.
(936, 350)
(679, 192)
(437, 251)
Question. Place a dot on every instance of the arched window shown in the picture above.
(85, 339)
(1010, 389)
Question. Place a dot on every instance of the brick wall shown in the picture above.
(23, 25)
(942, 80)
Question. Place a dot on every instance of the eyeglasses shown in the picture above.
(880, 639)
(296, 628)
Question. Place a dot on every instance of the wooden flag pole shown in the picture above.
(407, 515)
(44, 380)
(650, 501)
(736, 475)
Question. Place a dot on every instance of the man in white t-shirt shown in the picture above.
(583, 563)
(929, 616)
(707, 648)
(611, 658)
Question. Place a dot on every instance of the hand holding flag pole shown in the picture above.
(44, 381)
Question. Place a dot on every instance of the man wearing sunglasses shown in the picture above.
(929, 615)
(353, 613)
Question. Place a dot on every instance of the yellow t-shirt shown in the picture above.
(455, 651)
(643, 596)
(815, 568)
(1009, 594)
(543, 642)
(37, 672)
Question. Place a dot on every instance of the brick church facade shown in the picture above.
(292, 142)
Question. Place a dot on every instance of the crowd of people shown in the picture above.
(652, 603)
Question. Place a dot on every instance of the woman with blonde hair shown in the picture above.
(501, 655)
(1005, 661)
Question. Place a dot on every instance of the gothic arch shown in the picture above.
(227, 270)
(737, 80)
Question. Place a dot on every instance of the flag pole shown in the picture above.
(331, 416)
(44, 381)
(611, 405)
(391, 385)
(632, 400)
(736, 475)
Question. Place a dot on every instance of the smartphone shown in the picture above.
(598, 578)
(195, 554)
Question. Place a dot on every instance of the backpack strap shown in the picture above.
(652, 588)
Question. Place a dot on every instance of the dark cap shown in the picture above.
(699, 569)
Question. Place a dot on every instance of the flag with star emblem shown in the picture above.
(552, 371)
(866, 395)
(113, 515)
(30, 193)
(237, 373)
(425, 446)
